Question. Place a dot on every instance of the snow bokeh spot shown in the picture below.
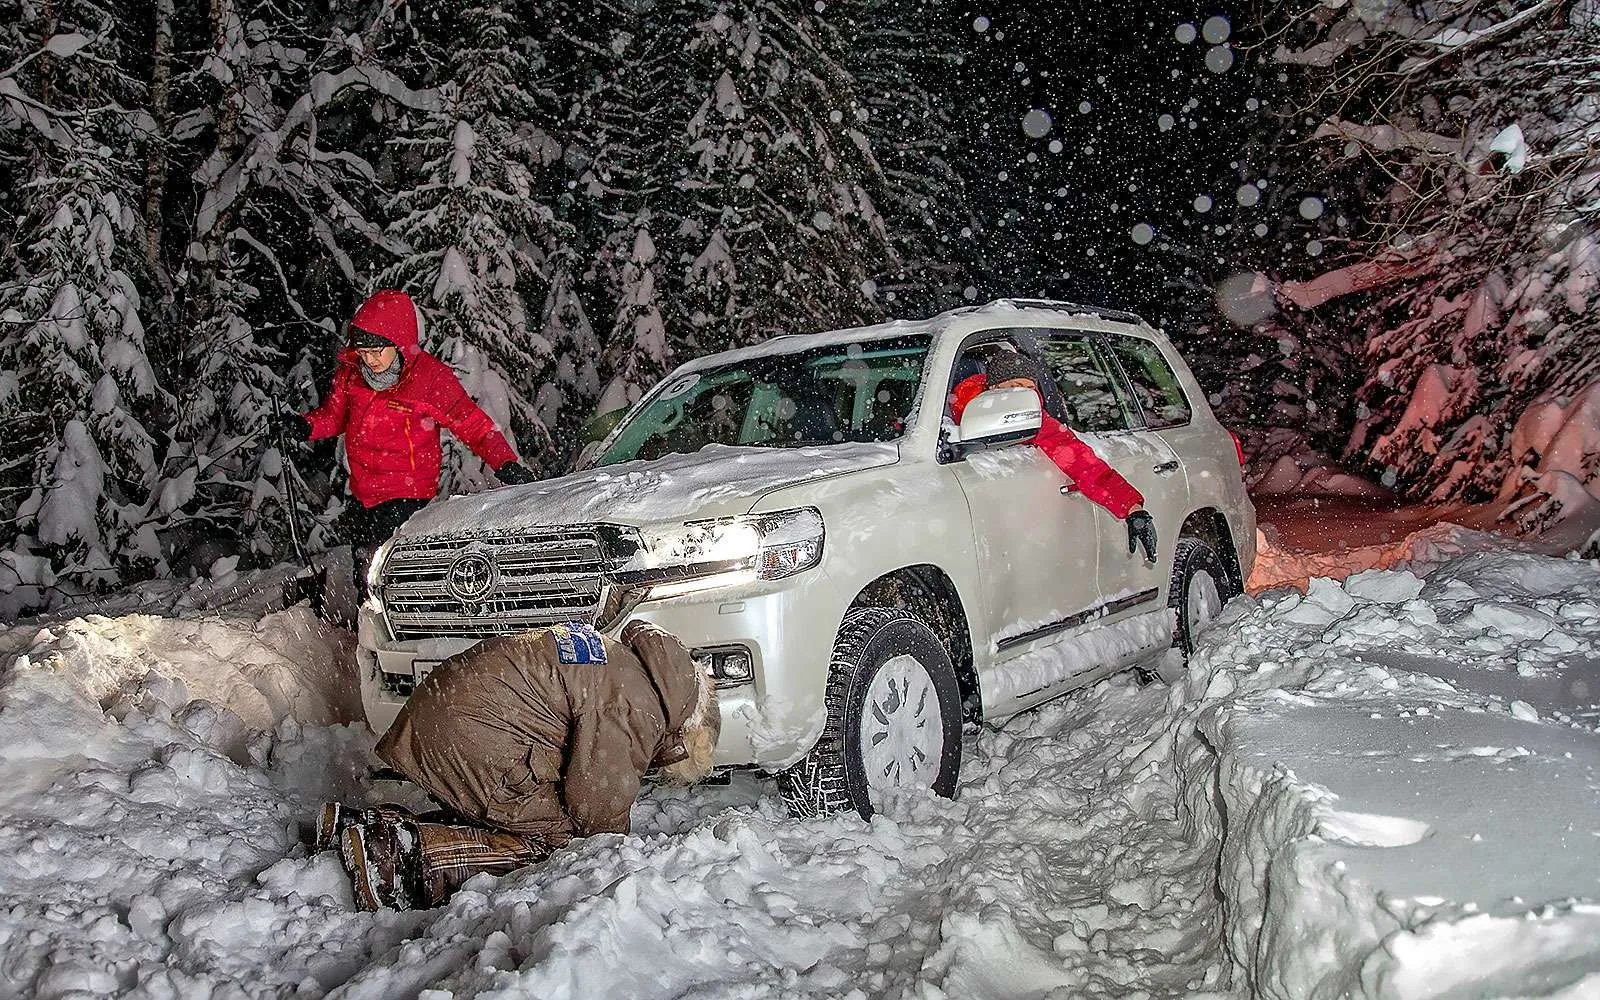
(980, 24)
(1202, 203)
(1186, 33)
(1036, 123)
(1216, 29)
(1142, 233)
(1248, 195)
(1245, 299)
(1311, 207)
(1219, 58)
(1165, 123)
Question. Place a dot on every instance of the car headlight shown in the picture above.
(791, 542)
(703, 554)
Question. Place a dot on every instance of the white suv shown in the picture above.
(863, 576)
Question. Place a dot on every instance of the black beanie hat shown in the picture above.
(1009, 365)
(368, 339)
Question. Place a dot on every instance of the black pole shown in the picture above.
(287, 474)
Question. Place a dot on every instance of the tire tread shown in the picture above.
(817, 785)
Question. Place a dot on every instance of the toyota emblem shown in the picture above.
(472, 577)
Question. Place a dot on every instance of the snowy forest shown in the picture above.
(1389, 254)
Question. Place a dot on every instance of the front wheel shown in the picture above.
(894, 719)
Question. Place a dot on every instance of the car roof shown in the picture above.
(999, 314)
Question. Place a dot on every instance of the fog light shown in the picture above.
(729, 666)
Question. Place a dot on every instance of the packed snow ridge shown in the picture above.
(1380, 788)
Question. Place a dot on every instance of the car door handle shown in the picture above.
(1166, 467)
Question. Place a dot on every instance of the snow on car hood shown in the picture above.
(716, 481)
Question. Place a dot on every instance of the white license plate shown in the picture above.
(422, 668)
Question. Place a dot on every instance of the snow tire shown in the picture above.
(832, 777)
(1195, 565)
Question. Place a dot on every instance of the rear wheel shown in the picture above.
(1199, 589)
(894, 719)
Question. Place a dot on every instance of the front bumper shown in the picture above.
(767, 722)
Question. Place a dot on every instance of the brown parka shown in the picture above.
(513, 734)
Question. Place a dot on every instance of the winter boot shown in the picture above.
(381, 858)
(336, 817)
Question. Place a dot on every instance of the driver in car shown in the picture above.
(1010, 369)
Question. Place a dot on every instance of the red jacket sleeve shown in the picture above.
(467, 421)
(1098, 481)
(328, 419)
(966, 391)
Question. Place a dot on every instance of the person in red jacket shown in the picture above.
(389, 399)
(1097, 480)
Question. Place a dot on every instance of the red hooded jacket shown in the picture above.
(1098, 481)
(392, 435)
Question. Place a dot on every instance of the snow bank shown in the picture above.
(1402, 778)
(1422, 551)
(155, 776)
(287, 665)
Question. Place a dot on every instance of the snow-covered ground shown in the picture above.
(1385, 787)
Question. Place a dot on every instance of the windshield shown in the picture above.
(860, 391)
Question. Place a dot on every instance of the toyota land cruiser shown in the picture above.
(863, 576)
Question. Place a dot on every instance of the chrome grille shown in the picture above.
(543, 579)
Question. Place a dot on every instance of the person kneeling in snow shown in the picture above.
(527, 741)
(1099, 481)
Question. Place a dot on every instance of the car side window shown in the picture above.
(1155, 384)
(1090, 390)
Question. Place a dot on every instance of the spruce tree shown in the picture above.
(1461, 133)
(76, 384)
(775, 226)
(477, 241)
(905, 60)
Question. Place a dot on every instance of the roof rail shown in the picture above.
(1056, 305)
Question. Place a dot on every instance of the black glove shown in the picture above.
(293, 426)
(1142, 531)
(514, 473)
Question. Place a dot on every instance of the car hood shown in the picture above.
(716, 481)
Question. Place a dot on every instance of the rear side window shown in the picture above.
(1090, 390)
(1155, 384)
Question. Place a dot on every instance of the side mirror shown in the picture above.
(999, 417)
